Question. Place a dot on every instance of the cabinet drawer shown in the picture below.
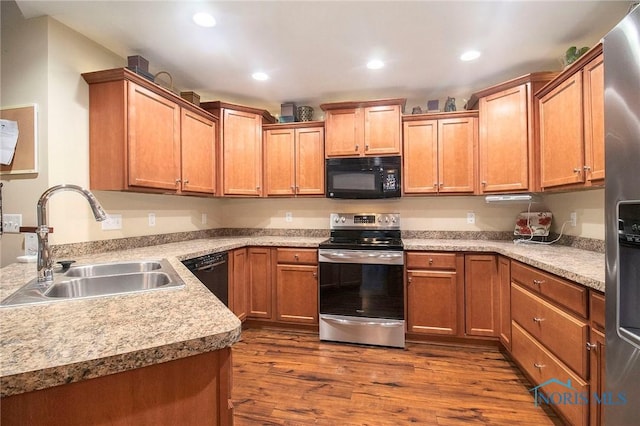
(541, 366)
(425, 260)
(298, 256)
(596, 309)
(562, 333)
(565, 293)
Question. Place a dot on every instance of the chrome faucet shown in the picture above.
(45, 262)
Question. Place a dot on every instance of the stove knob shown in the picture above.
(393, 219)
(336, 219)
(386, 219)
(343, 219)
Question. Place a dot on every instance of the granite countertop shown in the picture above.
(63, 342)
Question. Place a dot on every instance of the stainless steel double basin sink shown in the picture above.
(99, 279)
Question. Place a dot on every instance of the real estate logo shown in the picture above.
(572, 396)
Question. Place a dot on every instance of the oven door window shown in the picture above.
(361, 290)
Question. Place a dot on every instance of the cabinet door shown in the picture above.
(432, 302)
(504, 141)
(504, 301)
(242, 153)
(481, 295)
(238, 283)
(420, 157)
(457, 143)
(344, 132)
(297, 294)
(310, 161)
(154, 140)
(382, 130)
(198, 153)
(597, 370)
(594, 118)
(279, 162)
(561, 134)
(260, 289)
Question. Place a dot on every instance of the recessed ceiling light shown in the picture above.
(375, 64)
(204, 19)
(260, 76)
(470, 55)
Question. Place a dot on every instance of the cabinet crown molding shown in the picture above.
(363, 104)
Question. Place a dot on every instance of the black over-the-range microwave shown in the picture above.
(363, 177)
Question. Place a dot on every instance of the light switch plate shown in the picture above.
(152, 219)
(288, 217)
(11, 223)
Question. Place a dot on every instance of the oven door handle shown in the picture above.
(367, 323)
(337, 255)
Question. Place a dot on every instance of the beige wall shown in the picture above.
(41, 63)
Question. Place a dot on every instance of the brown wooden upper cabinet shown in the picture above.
(240, 150)
(145, 138)
(572, 125)
(509, 134)
(354, 129)
(440, 153)
(294, 159)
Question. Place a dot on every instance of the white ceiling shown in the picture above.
(316, 51)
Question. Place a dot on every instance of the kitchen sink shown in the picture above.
(108, 284)
(97, 280)
(114, 268)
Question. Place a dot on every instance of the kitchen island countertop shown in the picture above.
(63, 342)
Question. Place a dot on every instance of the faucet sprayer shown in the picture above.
(45, 268)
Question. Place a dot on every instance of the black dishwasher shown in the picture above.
(212, 270)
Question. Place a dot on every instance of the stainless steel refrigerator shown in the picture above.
(622, 216)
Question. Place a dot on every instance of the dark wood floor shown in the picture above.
(291, 378)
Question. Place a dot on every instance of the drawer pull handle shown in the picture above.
(296, 256)
(537, 365)
(592, 346)
(538, 320)
(430, 261)
(538, 282)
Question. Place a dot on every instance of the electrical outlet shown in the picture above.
(203, 218)
(574, 218)
(152, 219)
(288, 217)
(113, 221)
(471, 218)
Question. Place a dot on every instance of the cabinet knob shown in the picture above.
(587, 168)
(293, 189)
(186, 181)
(538, 365)
(409, 279)
(258, 187)
(357, 147)
(296, 256)
(430, 261)
(178, 181)
(592, 346)
(315, 274)
(538, 282)
(366, 147)
(577, 170)
(537, 320)
(484, 183)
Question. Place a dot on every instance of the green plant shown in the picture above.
(573, 53)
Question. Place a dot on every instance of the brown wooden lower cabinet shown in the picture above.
(435, 292)
(504, 301)
(597, 370)
(238, 273)
(189, 391)
(297, 286)
(260, 282)
(481, 295)
(554, 383)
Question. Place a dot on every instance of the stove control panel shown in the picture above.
(364, 220)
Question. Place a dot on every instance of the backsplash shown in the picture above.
(63, 251)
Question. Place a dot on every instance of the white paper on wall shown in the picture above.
(8, 140)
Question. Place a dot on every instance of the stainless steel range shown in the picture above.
(361, 285)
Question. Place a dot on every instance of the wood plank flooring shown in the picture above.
(291, 378)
